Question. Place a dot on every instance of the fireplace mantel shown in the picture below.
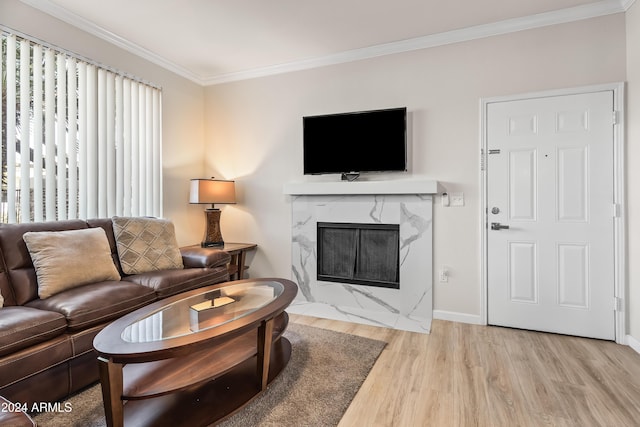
(386, 187)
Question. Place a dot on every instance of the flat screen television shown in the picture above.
(350, 143)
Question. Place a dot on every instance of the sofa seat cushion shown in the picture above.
(96, 303)
(171, 282)
(22, 327)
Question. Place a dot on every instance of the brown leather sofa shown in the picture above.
(46, 345)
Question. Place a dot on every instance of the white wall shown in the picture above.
(633, 173)
(183, 131)
(253, 130)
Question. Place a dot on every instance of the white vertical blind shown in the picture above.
(111, 147)
(135, 163)
(142, 141)
(81, 141)
(126, 142)
(119, 148)
(61, 136)
(11, 126)
(91, 142)
(38, 135)
(148, 147)
(156, 150)
(25, 131)
(102, 142)
(49, 135)
(72, 136)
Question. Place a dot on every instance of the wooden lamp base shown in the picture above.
(212, 233)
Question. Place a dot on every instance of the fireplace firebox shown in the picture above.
(362, 254)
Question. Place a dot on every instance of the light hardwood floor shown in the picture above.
(470, 375)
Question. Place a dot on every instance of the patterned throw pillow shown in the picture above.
(146, 244)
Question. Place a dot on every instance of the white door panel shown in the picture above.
(551, 184)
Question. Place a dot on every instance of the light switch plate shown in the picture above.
(456, 199)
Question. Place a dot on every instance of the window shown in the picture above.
(78, 140)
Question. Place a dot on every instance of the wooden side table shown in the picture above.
(238, 252)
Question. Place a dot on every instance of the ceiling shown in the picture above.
(214, 41)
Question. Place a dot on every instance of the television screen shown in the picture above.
(365, 141)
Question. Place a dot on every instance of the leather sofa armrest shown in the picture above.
(198, 257)
(13, 415)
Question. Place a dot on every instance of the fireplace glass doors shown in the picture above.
(363, 254)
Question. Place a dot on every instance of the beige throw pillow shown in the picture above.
(146, 244)
(66, 259)
(1, 301)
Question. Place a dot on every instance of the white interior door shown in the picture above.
(550, 180)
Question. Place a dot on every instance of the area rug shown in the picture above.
(315, 389)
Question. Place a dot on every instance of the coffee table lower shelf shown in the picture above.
(211, 401)
(152, 379)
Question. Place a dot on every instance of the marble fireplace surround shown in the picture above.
(407, 202)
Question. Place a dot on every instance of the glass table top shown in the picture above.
(202, 311)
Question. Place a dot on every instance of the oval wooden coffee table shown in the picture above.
(195, 358)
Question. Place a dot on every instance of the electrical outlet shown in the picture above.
(444, 274)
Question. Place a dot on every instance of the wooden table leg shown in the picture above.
(265, 338)
(234, 262)
(112, 383)
(240, 264)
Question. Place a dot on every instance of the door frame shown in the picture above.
(619, 303)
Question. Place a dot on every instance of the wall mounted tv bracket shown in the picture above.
(351, 176)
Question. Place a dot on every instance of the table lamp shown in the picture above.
(205, 191)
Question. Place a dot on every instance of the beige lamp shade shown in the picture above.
(205, 191)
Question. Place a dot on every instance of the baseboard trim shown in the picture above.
(453, 316)
(633, 343)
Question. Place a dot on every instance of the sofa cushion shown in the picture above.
(146, 244)
(171, 282)
(22, 327)
(89, 305)
(66, 259)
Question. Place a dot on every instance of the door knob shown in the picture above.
(498, 226)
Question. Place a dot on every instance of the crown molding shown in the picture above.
(71, 18)
(578, 13)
